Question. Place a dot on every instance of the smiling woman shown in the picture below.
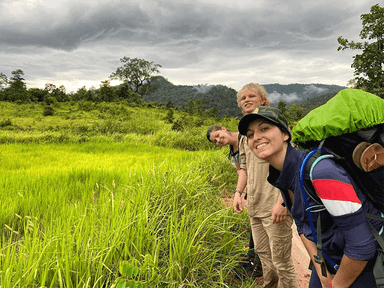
(222, 136)
(338, 202)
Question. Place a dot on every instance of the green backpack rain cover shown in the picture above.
(350, 110)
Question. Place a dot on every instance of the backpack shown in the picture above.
(350, 129)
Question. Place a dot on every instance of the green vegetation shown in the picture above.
(137, 73)
(78, 215)
(86, 121)
(369, 65)
(107, 195)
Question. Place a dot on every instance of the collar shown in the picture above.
(291, 168)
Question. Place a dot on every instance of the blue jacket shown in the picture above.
(344, 227)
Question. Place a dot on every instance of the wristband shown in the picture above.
(330, 284)
(236, 191)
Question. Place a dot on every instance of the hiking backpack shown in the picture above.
(350, 129)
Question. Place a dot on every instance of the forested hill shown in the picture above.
(224, 98)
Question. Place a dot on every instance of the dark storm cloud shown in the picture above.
(194, 41)
(181, 24)
(68, 28)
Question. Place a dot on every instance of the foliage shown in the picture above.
(294, 113)
(57, 93)
(169, 116)
(48, 110)
(17, 90)
(5, 122)
(86, 121)
(369, 73)
(3, 81)
(37, 95)
(138, 73)
(123, 92)
(84, 94)
(117, 215)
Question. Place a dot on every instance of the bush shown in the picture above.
(51, 101)
(86, 105)
(48, 110)
(5, 122)
(169, 116)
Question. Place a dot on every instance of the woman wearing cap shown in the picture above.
(347, 237)
(222, 136)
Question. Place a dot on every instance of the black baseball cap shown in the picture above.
(270, 114)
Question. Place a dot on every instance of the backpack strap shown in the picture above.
(319, 246)
(308, 189)
(378, 268)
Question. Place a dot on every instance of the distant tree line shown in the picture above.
(15, 90)
(206, 101)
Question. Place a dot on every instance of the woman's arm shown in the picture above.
(348, 271)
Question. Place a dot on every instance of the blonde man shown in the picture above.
(270, 222)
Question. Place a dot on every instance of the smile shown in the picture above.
(261, 145)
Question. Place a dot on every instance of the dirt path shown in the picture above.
(299, 254)
(301, 260)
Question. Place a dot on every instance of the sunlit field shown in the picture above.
(118, 214)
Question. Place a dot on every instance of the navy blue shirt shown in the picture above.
(344, 227)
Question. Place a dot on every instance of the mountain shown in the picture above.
(224, 98)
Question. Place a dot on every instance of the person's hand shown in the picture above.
(325, 282)
(238, 203)
(279, 213)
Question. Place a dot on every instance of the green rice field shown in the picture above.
(117, 214)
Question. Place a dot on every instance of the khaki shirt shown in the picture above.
(261, 195)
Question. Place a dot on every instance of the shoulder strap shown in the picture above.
(231, 151)
(306, 189)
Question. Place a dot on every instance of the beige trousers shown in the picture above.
(273, 244)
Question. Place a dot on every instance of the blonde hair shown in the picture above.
(258, 89)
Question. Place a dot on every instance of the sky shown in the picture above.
(79, 43)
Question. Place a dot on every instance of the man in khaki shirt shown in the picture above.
(271, 225)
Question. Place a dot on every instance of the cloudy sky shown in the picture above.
(230, 42)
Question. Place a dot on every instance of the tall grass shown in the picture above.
(116, 215)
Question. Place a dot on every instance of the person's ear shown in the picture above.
(286, 136)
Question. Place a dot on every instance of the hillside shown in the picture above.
(224, 98)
